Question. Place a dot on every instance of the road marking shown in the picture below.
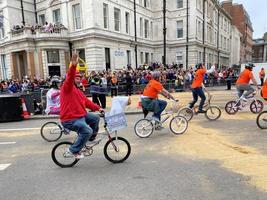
(3, 143)
(4, 166)
(19, 129)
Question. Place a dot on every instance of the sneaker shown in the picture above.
(69, 154)
(155, 119)
(243, 98)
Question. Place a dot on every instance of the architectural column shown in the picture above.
(264, 53)
(14, 69)
(67, 60)
(30, 62)
(41, 67)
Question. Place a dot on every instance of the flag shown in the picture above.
(1, 21)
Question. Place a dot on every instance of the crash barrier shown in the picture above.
(11, 108)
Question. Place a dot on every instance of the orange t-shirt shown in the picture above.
(264, 91)
(244, 77)
(152, 89)
(199, 77)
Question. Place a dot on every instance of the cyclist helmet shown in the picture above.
(199, 66)
(249, 66)
(156, 75)
(54, 81)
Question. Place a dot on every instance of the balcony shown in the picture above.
(39, 33)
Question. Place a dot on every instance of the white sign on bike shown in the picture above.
(115, 122)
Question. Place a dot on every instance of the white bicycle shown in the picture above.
(178, 124)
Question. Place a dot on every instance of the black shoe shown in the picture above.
(92, 138)
(201, 111)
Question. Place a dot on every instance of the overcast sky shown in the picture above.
(257, 10)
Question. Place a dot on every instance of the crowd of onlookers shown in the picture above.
(47, 28)
(129, 77)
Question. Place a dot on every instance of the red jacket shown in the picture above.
(73, 102)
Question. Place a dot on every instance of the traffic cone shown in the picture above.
(139, 105)
(25, 113)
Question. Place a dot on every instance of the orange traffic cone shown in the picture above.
(139, 105)
(25, 113)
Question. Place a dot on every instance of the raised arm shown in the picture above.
(69, 82)
(211, 70)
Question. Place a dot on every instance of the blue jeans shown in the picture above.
(154, 105)
(198, 92)
(85, 127)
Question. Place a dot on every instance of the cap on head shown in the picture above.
(156, 75)
(249, 66)
(77, 74)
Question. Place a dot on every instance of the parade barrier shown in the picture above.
(10, 108)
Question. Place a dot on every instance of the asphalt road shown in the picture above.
(163, 166)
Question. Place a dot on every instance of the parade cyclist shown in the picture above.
(150, 99)
(197, 86)
(52, 97)
(73, 114)
(243, 82)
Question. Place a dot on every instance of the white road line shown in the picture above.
(3, 143)
(4, 166)
(19, 129)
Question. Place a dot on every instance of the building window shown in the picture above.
(146, 28)
(152, 57)
(127, 22)
(141, 27)
(77, 16)
(179, 3)
(56, 16)
(200, 57)
(147, 58)
(151, 30)
(81, 53)
(146, 3)
(142, 57)
(2, 30)
(42, 19)
(105, 14)
(4, 67)
(129, 57)
(179, 29)
(179, 57)
(53, 56)
(117, 19)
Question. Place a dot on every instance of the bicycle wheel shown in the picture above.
(187, 113)
(178, 125)
(256, 106)
(59, 155)
(262, 120)
(231, 108)
(143, 128)
(51, 131)
(213, 113)
(117, 150)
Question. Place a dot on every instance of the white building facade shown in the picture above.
(103, 32)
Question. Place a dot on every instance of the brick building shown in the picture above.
(241, 20)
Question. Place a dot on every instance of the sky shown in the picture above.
(257, 10)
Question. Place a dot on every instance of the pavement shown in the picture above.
(219, 94)
(225, 159)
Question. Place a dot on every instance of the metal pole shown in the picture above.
(204, 52)
(164, 32)
(135, 35)
(22, 12)
(218, 39)
(187, 29)
(35, 12)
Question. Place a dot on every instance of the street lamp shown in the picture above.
(135, 35)
(164, 32)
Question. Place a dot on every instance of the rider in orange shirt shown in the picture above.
(197, 89)
(264, 90)
(150, 99)
(243, 82)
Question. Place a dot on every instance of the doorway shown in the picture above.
(107, 59)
